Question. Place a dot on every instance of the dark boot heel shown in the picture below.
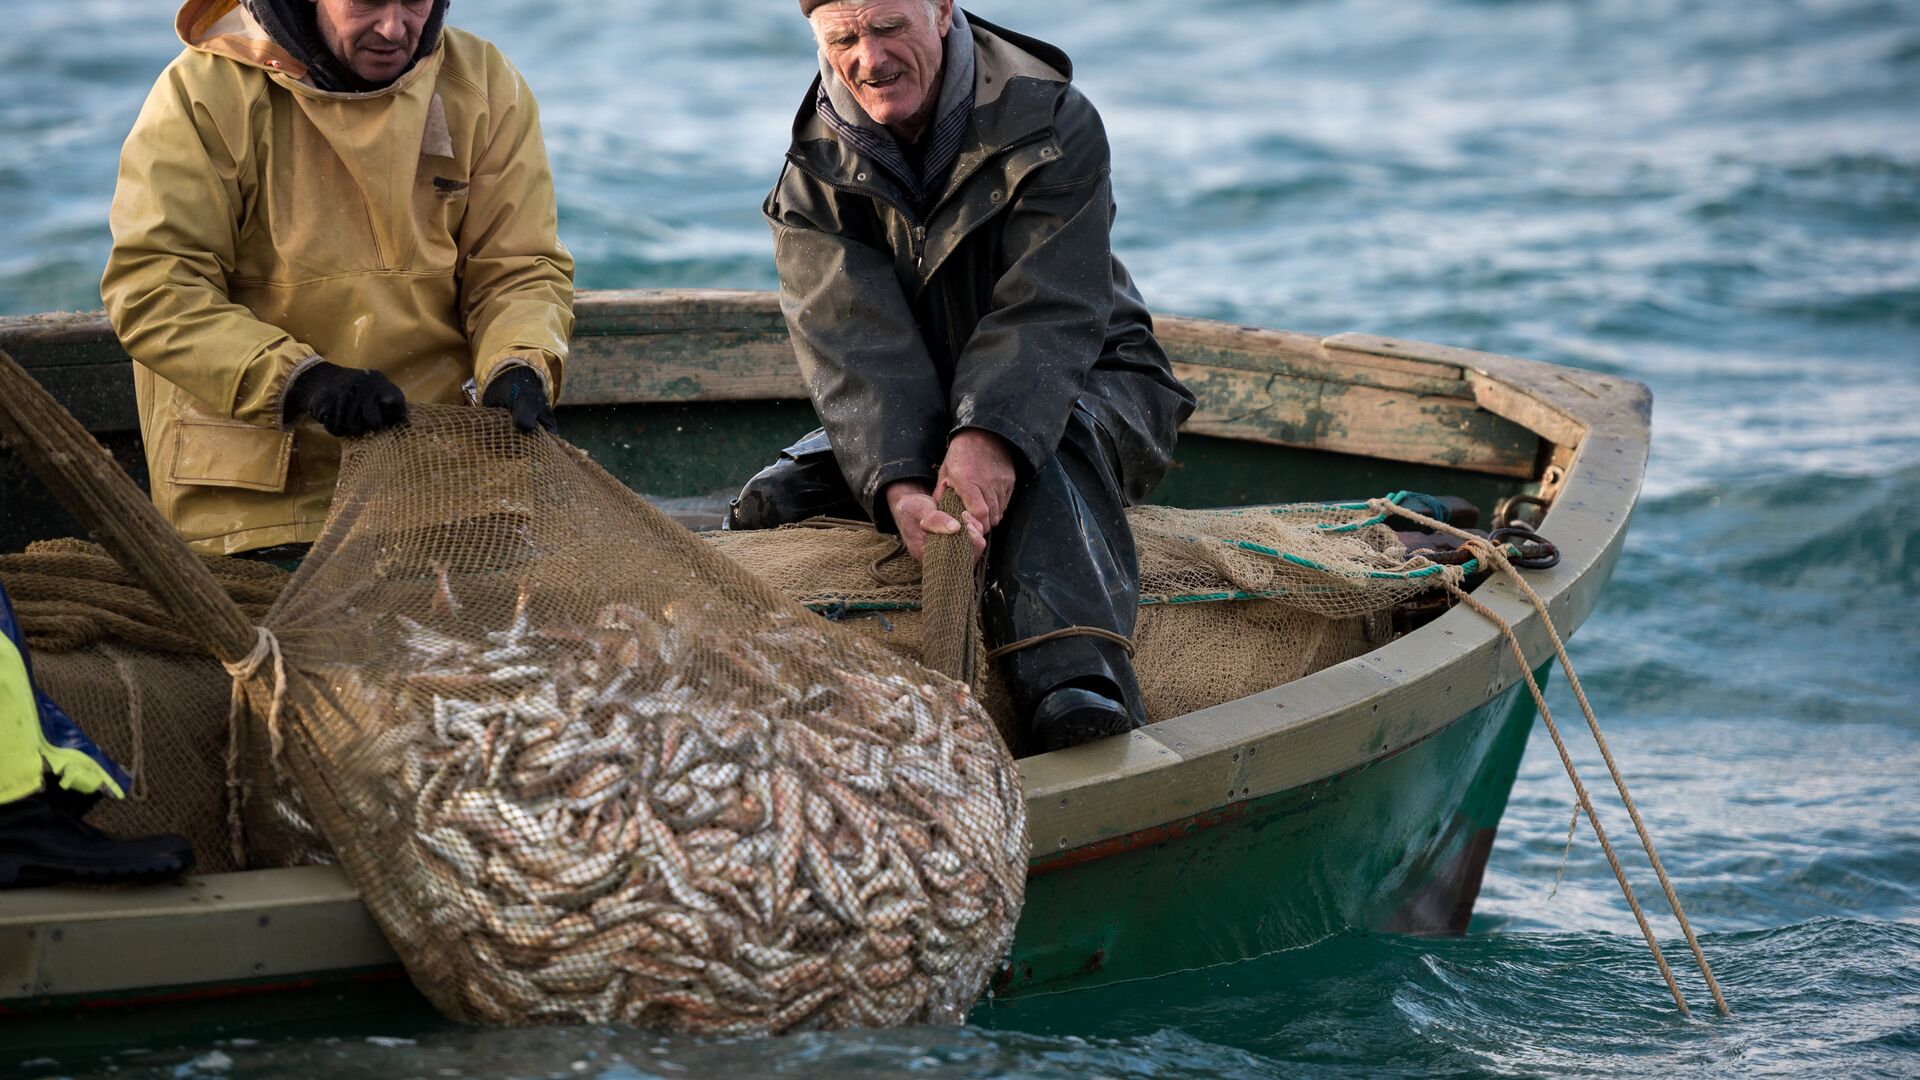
(1071, 716)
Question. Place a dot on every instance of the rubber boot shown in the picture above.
(1071, 715)
(43, 841)
(804, 482)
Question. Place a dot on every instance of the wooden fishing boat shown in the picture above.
(1364, 796)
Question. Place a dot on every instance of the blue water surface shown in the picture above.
(1720, 198)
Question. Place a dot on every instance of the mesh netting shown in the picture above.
(134, 680)
(1233, 601)
(70, 594)
(584, 768)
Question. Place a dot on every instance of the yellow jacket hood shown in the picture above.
(226, 28)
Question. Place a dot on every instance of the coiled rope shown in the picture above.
(1492, 556)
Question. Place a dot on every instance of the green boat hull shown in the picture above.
(1398, 845)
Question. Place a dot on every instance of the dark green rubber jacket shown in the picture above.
(999, 307)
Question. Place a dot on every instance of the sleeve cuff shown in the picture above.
(505, 362)
(1028, 455)
(888, 474)
(280, 399)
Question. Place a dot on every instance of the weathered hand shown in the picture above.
(979, 468)
(915, 514)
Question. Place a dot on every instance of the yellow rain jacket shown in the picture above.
(260, 224)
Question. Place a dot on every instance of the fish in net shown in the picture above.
(580, 767)
(583, 768)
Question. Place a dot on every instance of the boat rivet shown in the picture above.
(1236, 757)
(1063, 802)
(263, 920)
(46, 985)
(58, 934)
(1063, 841)
(258, 967)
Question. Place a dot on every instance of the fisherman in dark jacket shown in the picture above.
(942, 232)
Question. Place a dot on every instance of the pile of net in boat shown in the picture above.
(584, 768)
(141, 686)
(1233, 601)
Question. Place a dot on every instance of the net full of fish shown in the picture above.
(582, 768)
(601, 835)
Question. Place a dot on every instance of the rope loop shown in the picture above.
(265, 645)
(1064, 632)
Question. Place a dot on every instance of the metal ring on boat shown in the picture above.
(1504, 510)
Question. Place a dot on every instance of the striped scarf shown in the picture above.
(851, 124)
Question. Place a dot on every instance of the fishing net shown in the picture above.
(584, 768)
(1233, 601)
(139, 685)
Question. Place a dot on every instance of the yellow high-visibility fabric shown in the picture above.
(20, 764)
(25, 754)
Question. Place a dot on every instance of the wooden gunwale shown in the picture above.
(680, 345)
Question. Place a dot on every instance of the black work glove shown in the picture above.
(346, 401)
(520, 391)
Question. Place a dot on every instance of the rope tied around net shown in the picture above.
(1494, 556)
(1122, 640)
(243, 670)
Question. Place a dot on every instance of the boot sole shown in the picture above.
(19, 873)
(1087, 725)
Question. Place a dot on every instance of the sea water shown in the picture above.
(1720, 198)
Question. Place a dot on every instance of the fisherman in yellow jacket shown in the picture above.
(326, 209)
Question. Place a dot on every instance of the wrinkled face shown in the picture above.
(375, 39)
(888, 52)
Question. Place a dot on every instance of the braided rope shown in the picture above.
(1492, 555)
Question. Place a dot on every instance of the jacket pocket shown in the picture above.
(227, 453)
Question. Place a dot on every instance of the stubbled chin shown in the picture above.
(884, 107)
(380, 72)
